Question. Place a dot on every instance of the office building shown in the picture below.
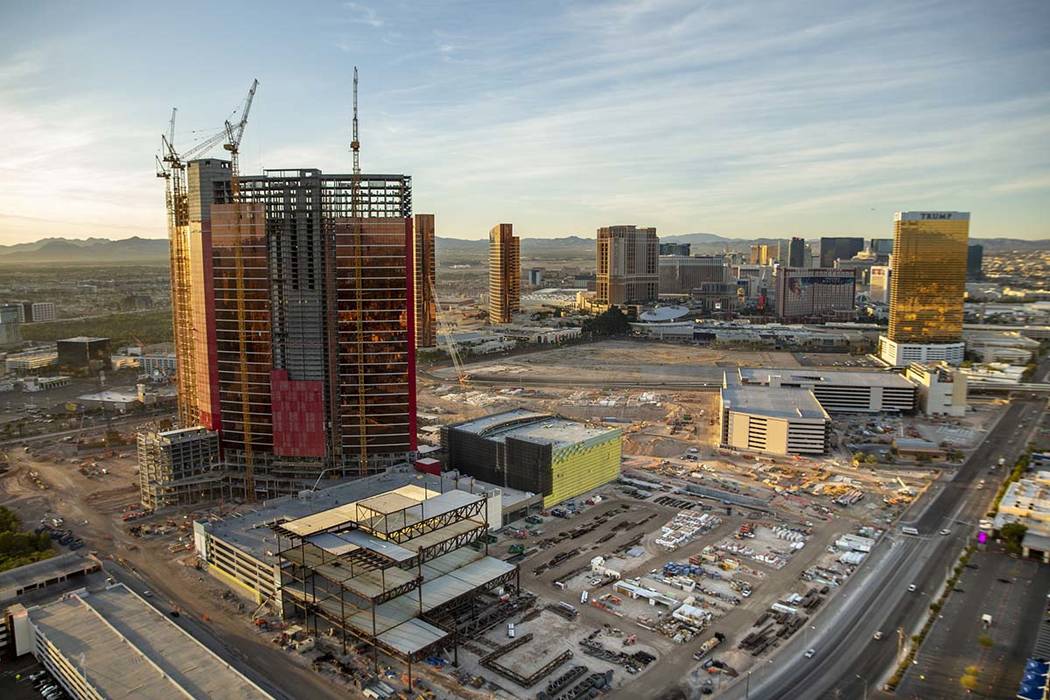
(879, 286)
(10, 331)
(536, 452)
(881, 249)
(838, 248)
(536, 277)
(111, 643)
(36, 311)
(773, 420)
(797, 254)
(178, 467)
(942, 388)
(294, 328)
(682, 274)
(675, 249)
(81, 351)
(927, 288)
(425, 281)
(974, 262)
(504, 274)
(814, 293)
(627, 266)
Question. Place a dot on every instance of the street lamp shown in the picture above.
(865, 681)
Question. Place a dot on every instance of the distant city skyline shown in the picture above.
(762, 119)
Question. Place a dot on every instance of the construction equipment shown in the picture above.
(450, 342)
(234, 134)
(359, 264)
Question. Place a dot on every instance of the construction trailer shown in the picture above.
(396, 571)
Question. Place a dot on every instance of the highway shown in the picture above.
(849, 662)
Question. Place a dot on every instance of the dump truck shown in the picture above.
(709, 646)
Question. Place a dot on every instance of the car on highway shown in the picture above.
(809, 653)
(912, 588)
(877, 636)
(946, 532)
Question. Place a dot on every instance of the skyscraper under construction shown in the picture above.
(295, 325)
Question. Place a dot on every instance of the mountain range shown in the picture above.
(155, 250)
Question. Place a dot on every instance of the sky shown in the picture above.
(741, 118)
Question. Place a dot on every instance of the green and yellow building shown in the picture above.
(538, 452)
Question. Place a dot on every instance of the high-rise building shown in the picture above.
(927, 288)
(761, 254)
(504, 274)
(975, 261)
(10, 330)
(797, 253)
(879, 290)
(814, 293)
(536, 276)
(681, 274)
(294, 323)
(838, 248)
(881, 248)
(627, 265)
(425, 276)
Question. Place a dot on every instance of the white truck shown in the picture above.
(986, 621)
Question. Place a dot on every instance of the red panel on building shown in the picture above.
(298, 416)
(428, 465)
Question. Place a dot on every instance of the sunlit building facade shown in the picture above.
(627, 265)
(425, 278)
(504, 274)
(927, 288)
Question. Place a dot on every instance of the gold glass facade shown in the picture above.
(929, 276)
(504, 274)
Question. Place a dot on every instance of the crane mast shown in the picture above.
(359, 263)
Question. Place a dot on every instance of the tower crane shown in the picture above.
(359, 263)
(234, 134)
(450, 341)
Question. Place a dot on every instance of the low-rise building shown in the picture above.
(537, 452)
(158, 363)
(772, 419)
(840, 392)
(30, 360)
(82, 351)
(942, 388)
(900, 354)
(113, 644)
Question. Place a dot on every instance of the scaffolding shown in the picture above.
(394, 570)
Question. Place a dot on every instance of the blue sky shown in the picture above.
(738, 118)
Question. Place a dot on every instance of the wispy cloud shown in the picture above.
(363, 14)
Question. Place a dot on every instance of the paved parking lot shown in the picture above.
(954, 642)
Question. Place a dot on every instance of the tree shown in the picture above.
(1013, 534)
(611, 322)
(985, 641)
(969, 682)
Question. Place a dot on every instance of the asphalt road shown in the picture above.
(848, 662)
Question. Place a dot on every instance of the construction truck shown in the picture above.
(709, 646)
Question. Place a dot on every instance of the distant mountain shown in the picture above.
(155, 250)
(91, 250)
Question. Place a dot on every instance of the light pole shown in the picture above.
(865, 681)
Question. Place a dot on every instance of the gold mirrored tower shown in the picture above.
(929, 276)
(927, 287)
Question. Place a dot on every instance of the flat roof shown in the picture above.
(804, 375)
(80, 339)
(128, 649)
(784, 402)
(541, 428)
(250, 531)
(13, 580)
